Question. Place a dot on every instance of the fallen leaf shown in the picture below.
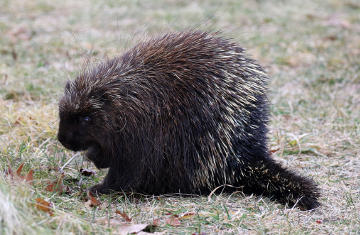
(173, 213)
(130, 228)
(109, 221)
(124, 215)
(14, 54)
(17, 121)
(57, 185)
(18, 171)
(156, 222)
(187, 215)
(20, 33)
(29, 177)
(154, 233)
(274, 150)
(56, 169)
(10, 172)
(353, 5)
(310, 16)
(331, 37)
(87, 172)
(92, 202)
(121, 227)
(173, 221)
(338, 21)
(43, 205)
(126, 228)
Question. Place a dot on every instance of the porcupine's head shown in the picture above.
(84, 122)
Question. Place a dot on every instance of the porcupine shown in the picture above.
(185, 112)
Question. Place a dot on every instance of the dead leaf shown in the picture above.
(121, 227)
(19, 33)
(18, 171)
(353, 5)
(310, 16)
(173, 221)
(56, 169)
(173, 213)
(124, 215)
(87, 172)
(14, 55)
(338, 21)
(156, 222)
(154, 233)
(10, 172)
(19, 120)
(331, 37)
(29, 177)
(130, 228)
(187, 215)
(57, 185)
(274, 150)
(127, 228)
(92, 202)
(109, 221)
(43, 205)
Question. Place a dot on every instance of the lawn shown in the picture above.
(310, 48)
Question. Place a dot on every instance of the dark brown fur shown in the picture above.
(185, 112)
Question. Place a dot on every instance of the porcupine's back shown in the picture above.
(193, 103)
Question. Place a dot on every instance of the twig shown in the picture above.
(67, 163)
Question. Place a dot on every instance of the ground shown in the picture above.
(310, 48)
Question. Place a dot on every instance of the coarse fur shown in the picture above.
(186, 112)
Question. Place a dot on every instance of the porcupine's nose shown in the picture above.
(63, 138)
(67, 140)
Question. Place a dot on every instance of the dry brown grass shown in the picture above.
(310, 48)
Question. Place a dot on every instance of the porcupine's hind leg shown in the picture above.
(268, 178)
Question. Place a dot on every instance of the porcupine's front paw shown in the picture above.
(100, 189)
(95, 155)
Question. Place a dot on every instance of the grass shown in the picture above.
(311, 49)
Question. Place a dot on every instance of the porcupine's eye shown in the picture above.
(85, 120)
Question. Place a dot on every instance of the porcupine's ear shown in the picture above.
(67, 86)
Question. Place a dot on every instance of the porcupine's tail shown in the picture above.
(268, 178)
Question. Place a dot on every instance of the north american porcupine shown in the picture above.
(185, 112)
